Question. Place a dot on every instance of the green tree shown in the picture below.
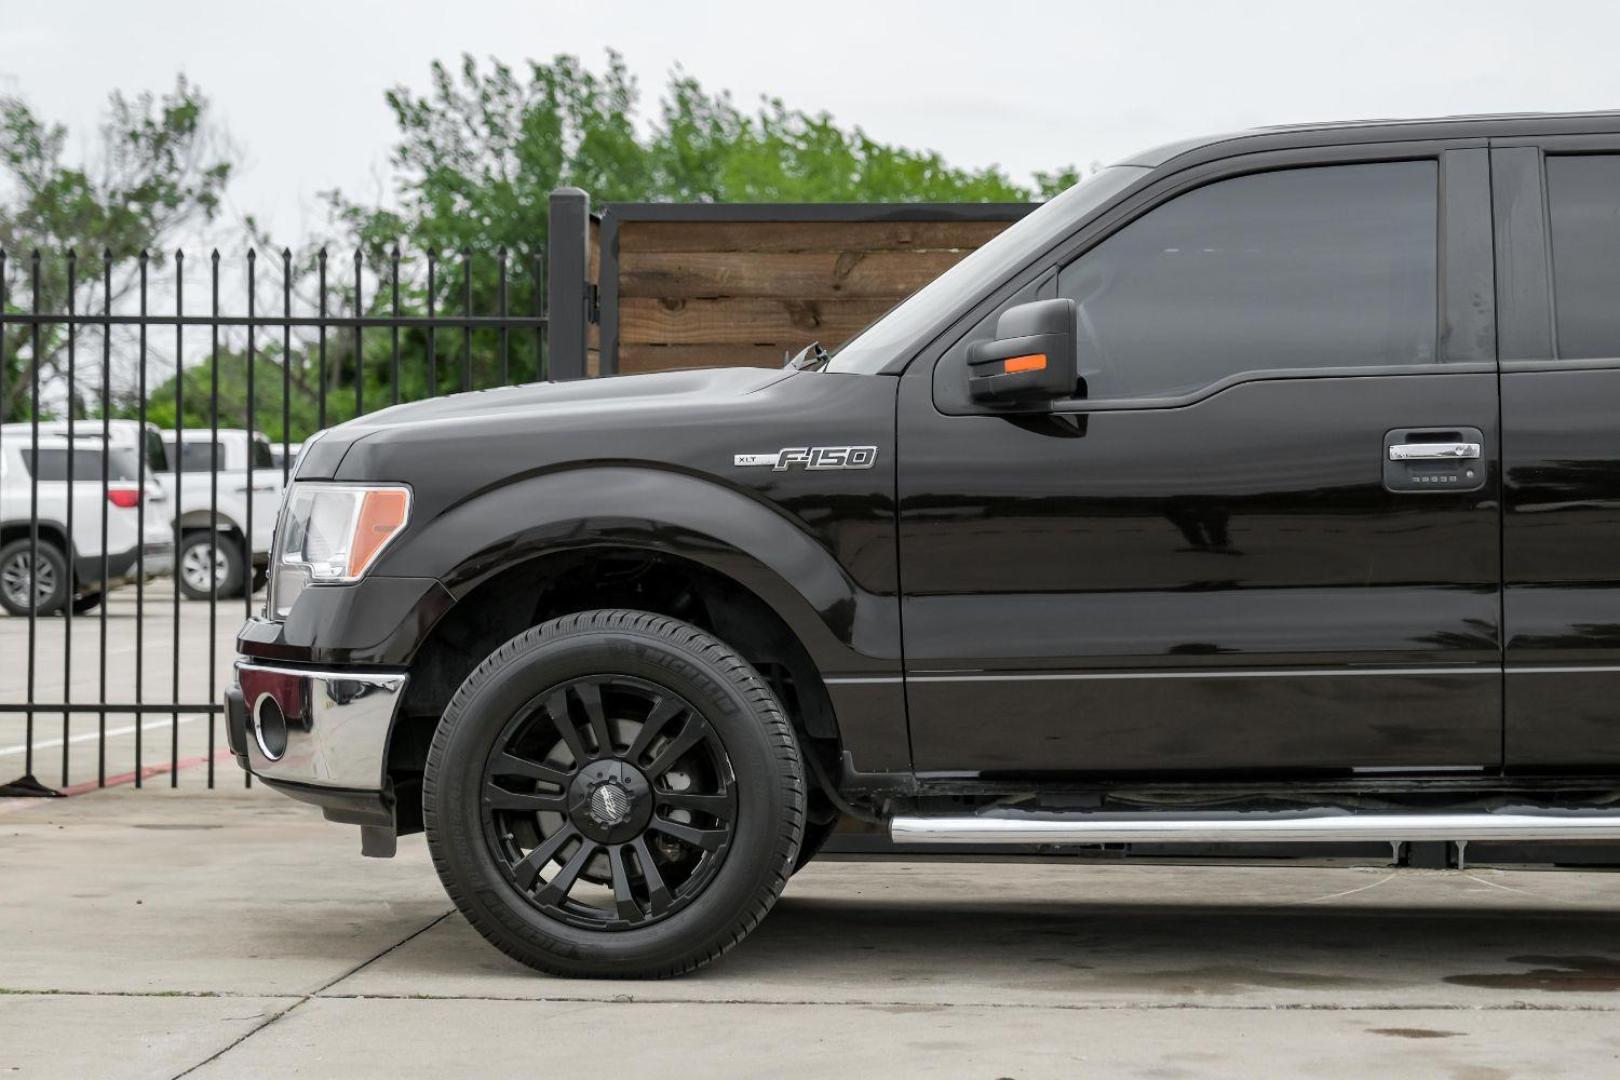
(197, 397)
(480, 151)
(157, 167)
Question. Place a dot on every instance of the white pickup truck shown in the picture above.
(211, 496)
(117, 534)
(239, 499)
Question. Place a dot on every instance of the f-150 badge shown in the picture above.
(811, 457)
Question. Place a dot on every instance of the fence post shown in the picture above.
(567, 290)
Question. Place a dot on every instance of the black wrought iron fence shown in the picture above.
(145, 440)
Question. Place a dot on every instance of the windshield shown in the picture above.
(965, 282)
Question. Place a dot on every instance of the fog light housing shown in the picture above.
(269, 727)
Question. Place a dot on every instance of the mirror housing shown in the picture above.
(1032, 359)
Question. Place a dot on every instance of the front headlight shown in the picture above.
(330, 534)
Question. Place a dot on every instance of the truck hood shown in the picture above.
(545, 405)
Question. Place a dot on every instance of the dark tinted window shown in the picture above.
(1583, 198)
(157, 459)
(51, 463)
(1333, 266)
(262, 458)
(197, 456)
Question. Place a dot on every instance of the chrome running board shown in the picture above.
(1012, 827)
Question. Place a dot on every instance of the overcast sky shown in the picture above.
(300, 85)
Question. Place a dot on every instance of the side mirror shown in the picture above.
(1032, 359)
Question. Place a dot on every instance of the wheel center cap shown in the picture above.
(610, 804)
(610, 801)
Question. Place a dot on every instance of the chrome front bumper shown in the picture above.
(337, 724)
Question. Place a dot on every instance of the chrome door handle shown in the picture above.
(1433, 451)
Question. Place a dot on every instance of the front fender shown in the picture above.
(846, 629)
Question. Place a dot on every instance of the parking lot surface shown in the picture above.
(229, 933)
(206, 649)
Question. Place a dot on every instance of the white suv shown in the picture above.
(54, 571)
(199, 500)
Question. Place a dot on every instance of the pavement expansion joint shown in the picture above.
(300, 999)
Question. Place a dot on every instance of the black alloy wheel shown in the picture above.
(612, 780)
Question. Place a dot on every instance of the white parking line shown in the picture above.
(150, 725)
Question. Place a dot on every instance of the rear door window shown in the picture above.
(50, 463)
(196, 456)
(1583, 205)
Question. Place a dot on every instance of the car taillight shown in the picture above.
(124, 497)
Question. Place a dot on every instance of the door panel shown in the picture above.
(1226, 585)
(1561, 450)
(1223, 578)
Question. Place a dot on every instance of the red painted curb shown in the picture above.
(85, 788)
(146, 771)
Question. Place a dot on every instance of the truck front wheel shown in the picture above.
(614, 794)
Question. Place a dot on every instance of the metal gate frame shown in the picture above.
(558, 353)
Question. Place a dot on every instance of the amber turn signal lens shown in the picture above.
(1033, 362)
(382, 514)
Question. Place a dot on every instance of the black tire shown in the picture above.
(496, 708)
(190, 567)
(16, 576)
(88, 602)
(816, 835)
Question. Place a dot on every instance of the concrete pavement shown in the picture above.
(236, 934)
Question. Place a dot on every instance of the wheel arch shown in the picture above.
(49, 531)
(845, 626)
(196, 519)
(543, 587)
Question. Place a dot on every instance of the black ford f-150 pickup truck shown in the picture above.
(1264, 487)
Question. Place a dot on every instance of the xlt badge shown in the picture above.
(812, 457)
